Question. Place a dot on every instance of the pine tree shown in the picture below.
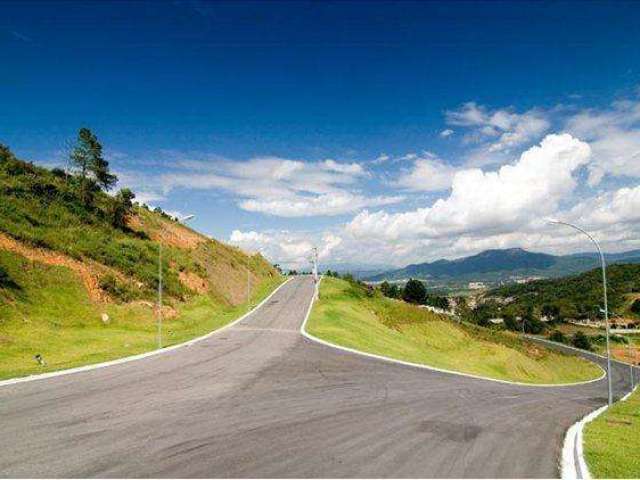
(92, 168)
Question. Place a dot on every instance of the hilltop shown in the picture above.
(504, 265)
(79, 272)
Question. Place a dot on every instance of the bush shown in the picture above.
(580, 340)
(558, 336)
(414, 292)
(510, 322)
(4, 278)
(116, 289)
(635, 306)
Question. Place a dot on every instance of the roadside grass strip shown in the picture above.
(611, 440)
(198, 320)
(346, 317)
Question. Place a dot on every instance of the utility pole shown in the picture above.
(314, 260)
(160, 294)
(631, 359)
(248, 289)
(603, 265)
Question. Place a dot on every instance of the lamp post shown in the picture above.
(631, 358)
(606, 308)
(182, 220)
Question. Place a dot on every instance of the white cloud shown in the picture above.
(447, 132)
(289, 249)
(428, 174)
(282, 187)
(621, 206)
(489, 201)
(503, 129)
(614, 136)
(383, 157)
(336, 203)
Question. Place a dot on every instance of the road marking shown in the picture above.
(256, 329)
(188, 343)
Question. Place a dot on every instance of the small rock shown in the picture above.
(105, 318)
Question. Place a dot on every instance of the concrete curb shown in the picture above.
(313, 338)
(140, 356)
(574, 465)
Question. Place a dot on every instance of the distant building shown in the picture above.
(476, 285)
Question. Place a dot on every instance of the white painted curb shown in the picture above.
(313, 338)
(140, 356)
(574, 465)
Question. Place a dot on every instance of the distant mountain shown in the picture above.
(504, 265)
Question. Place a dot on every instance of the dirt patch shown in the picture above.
(168, 232)
(625, 354)
(194, 282)
(88, 274)
(48, 257)
(168, 311)
(534, 351)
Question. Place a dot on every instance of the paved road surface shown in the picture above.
(260, 400)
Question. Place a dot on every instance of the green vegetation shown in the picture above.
(612, 441)
(414, 292)
(49, 313)
(70, 252)
(575, 297)
(353, 316)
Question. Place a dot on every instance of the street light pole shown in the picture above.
(606, 308)
(631, 359)
(159, 334)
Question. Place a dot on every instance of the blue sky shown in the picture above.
(342, 125)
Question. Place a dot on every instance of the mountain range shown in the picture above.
(501, 265)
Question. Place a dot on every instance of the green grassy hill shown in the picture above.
(347, 314)
(578, 296)
(63, 265)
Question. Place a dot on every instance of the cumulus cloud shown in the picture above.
(489, 201)
(428, 174)
(289, 249)
(621, 206)
(614, 136)
(447, 132)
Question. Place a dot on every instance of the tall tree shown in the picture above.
(414, 292)
(88, 160)
(120, 207)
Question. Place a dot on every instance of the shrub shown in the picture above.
(635, 306)
(116, 289)
(414, 292)
(580, 340)
(4, 278)
(558, 336)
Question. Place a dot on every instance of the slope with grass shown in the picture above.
(612, 441)
(75, 289)
(348, 315)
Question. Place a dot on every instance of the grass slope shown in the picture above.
(64, 262)
(612, 441)
(346, 315)
(47, 310)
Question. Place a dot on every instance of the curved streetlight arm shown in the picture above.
(604, 286)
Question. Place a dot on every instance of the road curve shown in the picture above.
(260, 400)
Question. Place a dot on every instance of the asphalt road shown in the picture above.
(260, 400)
